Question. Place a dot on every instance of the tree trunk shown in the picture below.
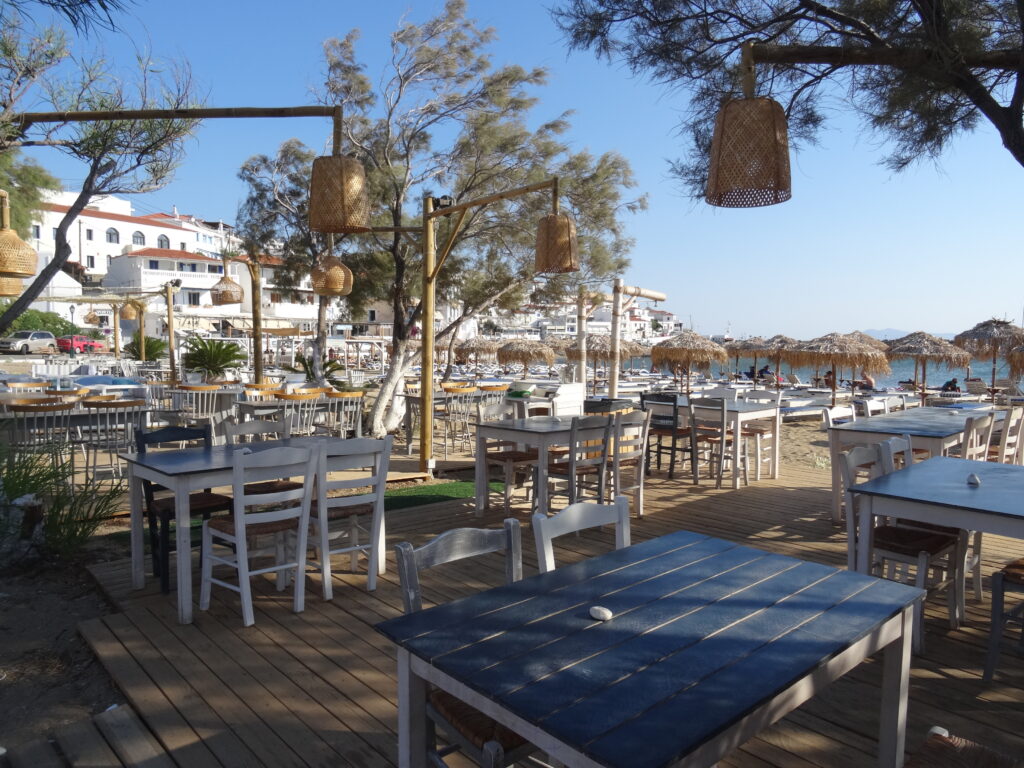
(382, 415)
(320, 342)
(61, 253)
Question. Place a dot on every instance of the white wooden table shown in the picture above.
(540, 432)
(935, 429)
(710, 643)
(184, 472)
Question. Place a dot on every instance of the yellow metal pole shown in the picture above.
(169, 297)
(427, 349)
(117, 331)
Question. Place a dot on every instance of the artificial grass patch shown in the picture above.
(417, 495)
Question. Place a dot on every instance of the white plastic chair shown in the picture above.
(365, 462)
(579, 517)
(258, 514)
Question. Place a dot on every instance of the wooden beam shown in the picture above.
(189, 113)
(900, 58)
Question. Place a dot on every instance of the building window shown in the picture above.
(275, 298)
(138, 238)
(183, 248)
(54, 233)
(163, 242)
(154, 264)
(90, 261)
(215, 268)
(371, 316)
(193, 298)
(88, 234)
(113, 236)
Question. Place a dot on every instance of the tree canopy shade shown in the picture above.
(920, 72)
(81, 14)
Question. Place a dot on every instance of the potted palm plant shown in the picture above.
(213, 358)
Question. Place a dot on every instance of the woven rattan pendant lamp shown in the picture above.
(338, 197)
(749, 164)
(557, 250)
(11, 286)
(17, 259)
(128, 311)
(225, 290)
(331, 277)
(90, 317)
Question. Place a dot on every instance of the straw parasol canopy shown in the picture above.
(738, 348)
(600, 348)
(834, 349)
(558, 344)
(871, 341)
(782, 349)
(525, 351)
(989, 338)
(923, 347)
(479, 346)
(685, 350)
(1015, 357)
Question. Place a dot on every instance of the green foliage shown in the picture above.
(332, 369)
(916, 88)
(36, 320)
(26, 181)
(94, 333)
(75, 512)
(155, 348)
(212, 357)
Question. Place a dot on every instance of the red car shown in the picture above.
(81, 344)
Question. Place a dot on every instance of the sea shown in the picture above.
(902, 370)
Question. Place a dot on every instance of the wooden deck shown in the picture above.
(319, 688)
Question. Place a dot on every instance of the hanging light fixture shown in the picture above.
(557, 250)
(225, 290)
(331, 277)
(11, 286)
(338, 197)
(749, 163)
(90, 317)
(17, 259)
(128, 311)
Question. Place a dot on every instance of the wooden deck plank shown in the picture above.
(83, 746)
(331, 653)
(36, 754)
(130, 739)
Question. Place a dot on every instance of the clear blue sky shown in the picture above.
(932, 249)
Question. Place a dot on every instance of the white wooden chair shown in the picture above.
(110, 431)
(977, 437)
(467, 730)
(300, 409)
(584, 467)
(504, 454)
(344, 415)
(365, 462)
(762, 431)
(1008, 449)
(579, 517)
(711, 422)
(256, 431)
(629, 455)
(935, 555)
(280, 514)
(837, 414)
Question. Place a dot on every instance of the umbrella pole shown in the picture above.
(687, 369)
(992, 392)
(755, 370)
(834, 378)
(924, 380)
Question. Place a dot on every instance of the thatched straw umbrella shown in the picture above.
(478, 346)
(836, 349)
(782, 349)
(558, 344)
(599, 349)
(525, 351)
(1015, 357)
(923, 347)
(738, 348)
(685, 350)
(871, 341)
(990, 338)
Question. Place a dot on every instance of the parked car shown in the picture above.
(29, 341)
(80, 343)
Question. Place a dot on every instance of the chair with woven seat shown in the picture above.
(762, 431)
(280, 514)
(344, 414)
(40, 428)
(506, 455)
(468, 731)
(932, 552)
(669, 421)
(300, 410)
(941, 749)
(358, 503)
(1009, 578)
(629, 456)
(579, 517)
(584, 467)
(161, 510)
(194, 405)
(458, 408)
(255, 431)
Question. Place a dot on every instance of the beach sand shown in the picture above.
(804, 444)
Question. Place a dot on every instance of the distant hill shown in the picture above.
(887, 334)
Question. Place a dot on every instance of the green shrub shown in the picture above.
(155, 348)
(212, 357)
(75, 513)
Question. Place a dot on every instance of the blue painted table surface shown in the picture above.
(917, 422)
(704, 631)
(942, 481)
(216, 459)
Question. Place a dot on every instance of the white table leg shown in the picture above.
(541, 493)
(183, 539)
(480, 472)
(865, 535)
(892, 731)
(737, 427)
(137, 523)
(412, 715)
(776, 444)
(378, 558)
(837, 478)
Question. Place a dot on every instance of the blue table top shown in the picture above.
(704, 631)
(190, 461)
(917, 422)
(942, 481)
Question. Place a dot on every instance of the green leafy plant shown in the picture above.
(76, 512)
(334, 372)
(36, 320)
(154, 348)
(94, 333)
(212, 357)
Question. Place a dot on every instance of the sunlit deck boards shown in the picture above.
(318, 688)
